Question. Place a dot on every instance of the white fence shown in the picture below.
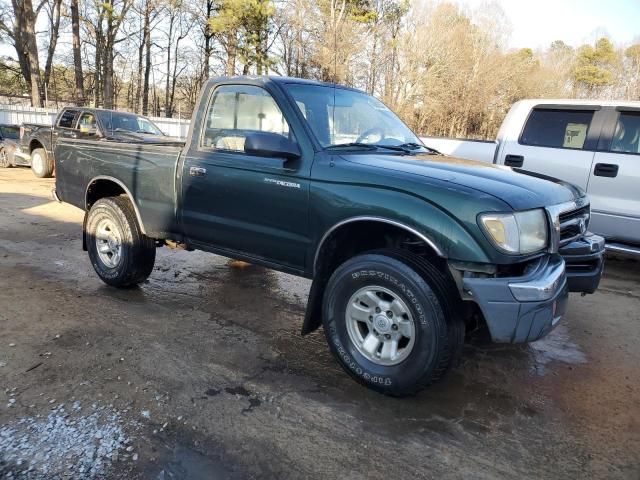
(470, 149)
(18, 114)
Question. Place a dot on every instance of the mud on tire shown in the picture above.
(111, 222)
(438, 332)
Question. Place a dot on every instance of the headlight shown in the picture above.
(518, 232)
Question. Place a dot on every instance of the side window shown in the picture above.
(626, 136)
(66, 119)
(557, 128)
(87, 121)
(237, 110)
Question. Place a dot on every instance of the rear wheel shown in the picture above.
(4, 159)
(390, 323)
(120, 253)
(41, 164)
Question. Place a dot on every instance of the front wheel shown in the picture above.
(390, 322)
(120, 253)
(41, 165)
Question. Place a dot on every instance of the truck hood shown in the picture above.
(518, 188)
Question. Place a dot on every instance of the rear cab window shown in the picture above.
(9, 131)
(557, 128)
(67, 118)
(626, 136)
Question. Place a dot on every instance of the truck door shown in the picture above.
(558, 141)
(239, 202)
(614, 186)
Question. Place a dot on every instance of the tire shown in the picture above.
(41, 164)
(120, 253)
(431, 307)
(4, 159)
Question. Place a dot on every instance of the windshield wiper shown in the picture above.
(368, 146)
(419, 145)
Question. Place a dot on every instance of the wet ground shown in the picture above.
(201, 373)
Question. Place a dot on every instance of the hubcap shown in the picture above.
(108, 243)
(380, 325)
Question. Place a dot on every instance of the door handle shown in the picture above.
(514, 161)
(197, 171)
(606, 170)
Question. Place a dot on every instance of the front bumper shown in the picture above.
(525, 308)
(584, 259)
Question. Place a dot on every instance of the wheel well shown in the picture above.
(352, 239)
(358, 237)
(34, 144)
(101, 189)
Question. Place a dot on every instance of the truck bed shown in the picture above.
(147, 170)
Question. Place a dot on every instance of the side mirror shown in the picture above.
(267, 144)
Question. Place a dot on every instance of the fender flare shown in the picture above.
(126, 191)
(364, 218)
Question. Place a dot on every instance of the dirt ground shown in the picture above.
(201, 373)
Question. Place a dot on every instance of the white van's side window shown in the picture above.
(557, 128)
(626, 137)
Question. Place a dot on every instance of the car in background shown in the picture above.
(9, 136)
(89, 124)
(590, 143)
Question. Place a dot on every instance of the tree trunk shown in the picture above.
(147, 72)
(142, 92)
(27, 44)
(167, 104)
(53, 39)
(77, 56)
(208, 40)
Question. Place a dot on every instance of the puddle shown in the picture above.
(186, 463)
(556, 347)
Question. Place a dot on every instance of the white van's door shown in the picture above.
(614, 186)
(558, 141)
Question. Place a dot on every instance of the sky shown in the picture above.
(536, 23)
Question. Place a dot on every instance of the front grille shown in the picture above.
(573, 224)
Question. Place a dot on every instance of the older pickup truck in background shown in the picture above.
(37, 142)
(407, 249)
(592, 144)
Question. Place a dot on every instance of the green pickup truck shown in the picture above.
(408, 249)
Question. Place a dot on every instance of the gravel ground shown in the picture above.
(200, 373)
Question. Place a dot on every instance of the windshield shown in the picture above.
(129, 122)
(339, 116)
(9, 132)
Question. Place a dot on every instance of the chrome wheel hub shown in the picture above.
(108, 243)
(380, 325)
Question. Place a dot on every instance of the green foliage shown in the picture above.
(633, 53)
(11, 80)
(597, 66)
(245, 24)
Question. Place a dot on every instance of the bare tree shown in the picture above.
(77, 55)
